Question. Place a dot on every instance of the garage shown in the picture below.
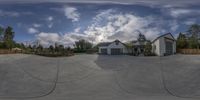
(169, 48)
(104, 51)
(164, 45)
(116, 51)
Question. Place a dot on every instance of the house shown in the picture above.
(164, 45)
(17, 50)
(161, 46)
(139, 45)
(112, 48)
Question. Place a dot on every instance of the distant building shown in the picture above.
(112, 48)
(139, 44)
(161, 46)
(164, 45)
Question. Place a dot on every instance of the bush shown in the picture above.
(55, 54)
(91, 51)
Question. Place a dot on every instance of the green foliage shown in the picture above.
(148, 49)
(193, 42)
(130, 46)
(2, 45)
(141, 38)
(61, 48)
(194, 30)
(1, 33)
(9, 44)
(51, 48)
(8, 38)
(39, 48)
(9, 34)
(82, 45)
(181, 41)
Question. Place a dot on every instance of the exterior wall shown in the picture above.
(174, 47)
(156, 47)
(161, 45)
(113, 45)
(102, 48)
(120, 45)
(174, 43)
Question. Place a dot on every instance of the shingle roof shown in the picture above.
(162, 36)
(104, 44)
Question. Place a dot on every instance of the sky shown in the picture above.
(63, 22)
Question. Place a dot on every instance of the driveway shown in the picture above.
(99, 77)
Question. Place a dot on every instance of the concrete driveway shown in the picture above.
(99, 77)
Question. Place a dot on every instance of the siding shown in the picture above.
(101, 48)
(156, 47)
(161, 46)
(120, 45)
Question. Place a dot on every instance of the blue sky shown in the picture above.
(65, 22)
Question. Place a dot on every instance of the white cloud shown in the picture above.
(121, 26)
(50, 21)
(72, 13)
(50, 25)
(47, 38)
(50, 18)
(109, 25)
(32, 30)
(66, 39)
(181, 12)
(77, 30)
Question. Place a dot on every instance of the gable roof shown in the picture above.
(104, 44)
(163, 36)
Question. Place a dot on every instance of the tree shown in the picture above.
(1, 33)
(148, 48)
(8, 37)
(141, 38)
(61, 48)
(56, 47)
(40, 48)
(17, 45)
(82, 45)
(193, 42)
(194, 31)
(51, 48)
(2, 45)
(30, 47)
(34, 47)
(68, 48)
(130, 47)
(181, 41)
(22, 46)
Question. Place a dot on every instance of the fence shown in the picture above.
(189, 51)
(5, 51)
